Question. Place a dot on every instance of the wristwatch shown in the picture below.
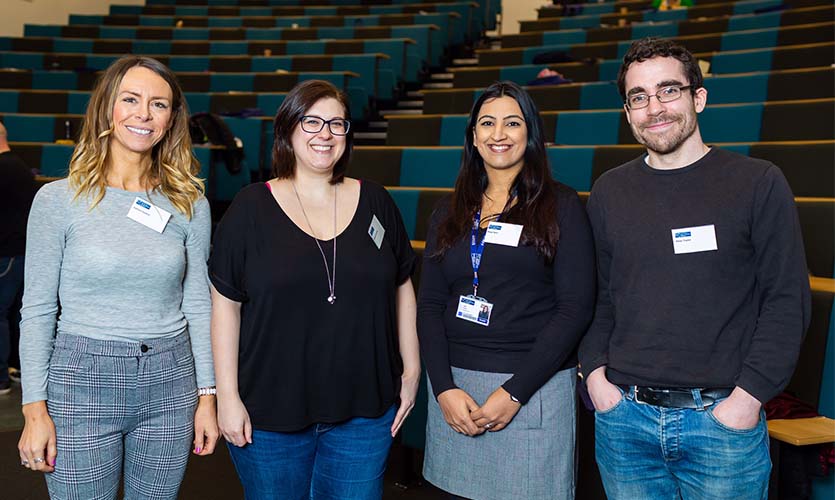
(207, 391)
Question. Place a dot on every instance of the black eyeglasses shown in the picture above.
(666, 94)
(314, 124)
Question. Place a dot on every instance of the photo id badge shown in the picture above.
(474, 309)
(694, 239)
(376, 231)
(148, 215)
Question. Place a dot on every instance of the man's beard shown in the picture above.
(669, 141)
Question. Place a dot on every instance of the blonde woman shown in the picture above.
(116, 308)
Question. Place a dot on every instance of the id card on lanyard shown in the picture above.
(472, 307)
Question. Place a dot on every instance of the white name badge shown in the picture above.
(148, 215)
(503, 233)
(474, 309)
(376, 231)
(694, 239)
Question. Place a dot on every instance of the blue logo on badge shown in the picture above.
(143, 204)
(495, 227)
(468, 301)
(684, 234)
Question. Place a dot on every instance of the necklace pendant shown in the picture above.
(331, 299)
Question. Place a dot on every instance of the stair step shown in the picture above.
(441, 76)
(414, 93)
(378, 124)
(410, 104)
(444, 85)
(369, 135)
(465, 62)
(385, 112)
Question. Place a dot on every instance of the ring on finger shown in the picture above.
(488, 425)
(38, 460)
(24, 463)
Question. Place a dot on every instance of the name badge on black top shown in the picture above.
(376, 231)
(148, 215)
(694, 239)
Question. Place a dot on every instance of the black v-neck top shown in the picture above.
(302, 360)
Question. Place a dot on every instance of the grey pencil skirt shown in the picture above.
(531, 459)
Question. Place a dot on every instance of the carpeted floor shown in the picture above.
(207, 478)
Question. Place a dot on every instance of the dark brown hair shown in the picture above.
(535, 189)
(648, 48)
(298, 101)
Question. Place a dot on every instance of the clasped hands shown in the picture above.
(465, 416)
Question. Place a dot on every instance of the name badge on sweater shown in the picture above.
(694, 239)
(148, 215)
(376, 231)
(503, 233)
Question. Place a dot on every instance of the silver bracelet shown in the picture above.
(207, 391)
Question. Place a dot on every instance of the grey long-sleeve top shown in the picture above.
(114, 278)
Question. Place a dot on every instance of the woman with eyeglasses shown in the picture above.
(313, 320)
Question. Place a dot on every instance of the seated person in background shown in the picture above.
(17, 188)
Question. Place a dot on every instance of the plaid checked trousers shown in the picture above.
(121, 407)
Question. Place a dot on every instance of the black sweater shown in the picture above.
(540, 311)
(734, 316)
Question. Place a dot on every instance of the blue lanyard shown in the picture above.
(476, 250)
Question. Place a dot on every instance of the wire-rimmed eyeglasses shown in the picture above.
(665, 94)
(314, 124)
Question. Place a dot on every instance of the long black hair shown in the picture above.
(534, 188)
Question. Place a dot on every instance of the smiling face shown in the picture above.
(501, 134)
(663, 128)
(141, 112)
(320, 151)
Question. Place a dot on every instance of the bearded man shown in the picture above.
(703, 297)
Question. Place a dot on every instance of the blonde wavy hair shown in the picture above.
(174, 167)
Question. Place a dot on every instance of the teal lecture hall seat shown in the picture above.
(412, 70)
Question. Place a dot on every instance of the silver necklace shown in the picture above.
(331, 278)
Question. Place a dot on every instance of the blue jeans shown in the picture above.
(650, 452)
(11, 279)
(344, 461)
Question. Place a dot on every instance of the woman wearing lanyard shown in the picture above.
(313, 323)
(507, 290)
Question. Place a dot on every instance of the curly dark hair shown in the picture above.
(647, 48)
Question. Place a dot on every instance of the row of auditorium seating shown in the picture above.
(775, 85)
(405, 58)
(806, 164)
(490, 8)
(369, 67)
(708, 42)
(817, 219)
(190, 81)
(796, 120)
(429, 39)
(450, 24)
(803, 120)
(698, 26)
(760, 86)
(699, 10)
(726, 62)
